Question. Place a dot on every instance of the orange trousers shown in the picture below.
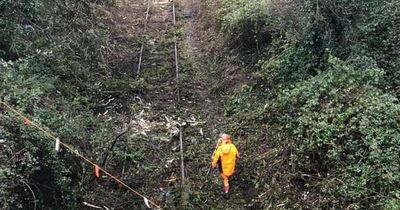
(226, 182)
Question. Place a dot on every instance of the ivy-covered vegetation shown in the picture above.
(54, 68)
(308, 89)
(324, 100)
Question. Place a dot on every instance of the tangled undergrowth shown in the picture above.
(308, 90)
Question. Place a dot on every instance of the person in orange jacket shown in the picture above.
(225, 157)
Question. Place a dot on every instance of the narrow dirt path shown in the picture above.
(153, 166)
(206, 102)
(158, 57)
(211, 108)
(159, 109)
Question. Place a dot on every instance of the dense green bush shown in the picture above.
(328, 81)
(29, 159)
(48, 69)
(345, 135)
(291, 65)
(247, 24)
(380, 32)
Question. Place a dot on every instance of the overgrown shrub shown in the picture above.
(344, 136)
(291, 65)
(380, 38)
(320, 27)
(328, 81)
(247, 24)
(48, 68)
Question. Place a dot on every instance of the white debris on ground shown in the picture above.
(142, 124)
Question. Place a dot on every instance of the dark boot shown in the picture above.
(226, 189)
(225, 194)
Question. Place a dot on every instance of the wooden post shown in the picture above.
(182, 161)
(144, 32)
(176, 52)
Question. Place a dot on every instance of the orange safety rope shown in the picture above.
(29, 122)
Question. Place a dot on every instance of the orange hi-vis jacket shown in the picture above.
(226, 153)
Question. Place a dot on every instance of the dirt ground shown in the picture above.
(200, 44)
(199, 109)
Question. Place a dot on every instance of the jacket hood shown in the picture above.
(226, 148)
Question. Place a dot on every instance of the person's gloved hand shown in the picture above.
(220, 141)
(213, 165)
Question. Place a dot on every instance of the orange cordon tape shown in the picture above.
(28, 122)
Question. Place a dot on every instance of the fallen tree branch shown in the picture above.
(112, 146)
(33, 194)
(94, 206)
